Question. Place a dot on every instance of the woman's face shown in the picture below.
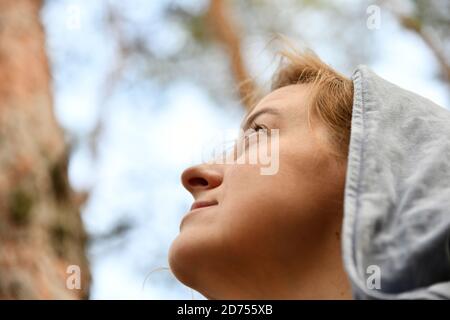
(267, 235)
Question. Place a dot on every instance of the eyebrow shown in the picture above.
(252, 117)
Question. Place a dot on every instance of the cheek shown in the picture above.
(276, 215)
(261, 213)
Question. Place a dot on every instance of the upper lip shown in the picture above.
(203, 203)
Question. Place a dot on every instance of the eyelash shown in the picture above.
(257, 127)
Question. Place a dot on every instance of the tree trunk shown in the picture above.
(41, 233)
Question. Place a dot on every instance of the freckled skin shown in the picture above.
(270, 236)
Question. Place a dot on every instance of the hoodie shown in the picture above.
(396, 228)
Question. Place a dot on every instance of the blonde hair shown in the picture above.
(330, 98)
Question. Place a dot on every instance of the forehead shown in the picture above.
(288, 98)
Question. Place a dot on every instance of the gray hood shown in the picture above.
(397, 193)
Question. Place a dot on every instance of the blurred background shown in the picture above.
(103, 104)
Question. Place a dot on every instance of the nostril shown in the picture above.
(197, 182)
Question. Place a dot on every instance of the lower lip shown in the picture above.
(193, 211)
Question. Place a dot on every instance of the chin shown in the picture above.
(181, 261)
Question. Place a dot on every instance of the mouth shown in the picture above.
(196, 206)
(203, 204)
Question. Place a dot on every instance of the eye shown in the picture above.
(244, 141)
(254, 128)
(257, 127)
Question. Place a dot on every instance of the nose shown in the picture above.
(200, 178)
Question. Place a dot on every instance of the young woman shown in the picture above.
(358, 207)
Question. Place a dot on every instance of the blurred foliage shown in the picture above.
(195, 53)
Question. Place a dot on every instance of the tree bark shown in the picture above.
(41, 233)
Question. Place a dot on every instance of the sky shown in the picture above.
(150, 135)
